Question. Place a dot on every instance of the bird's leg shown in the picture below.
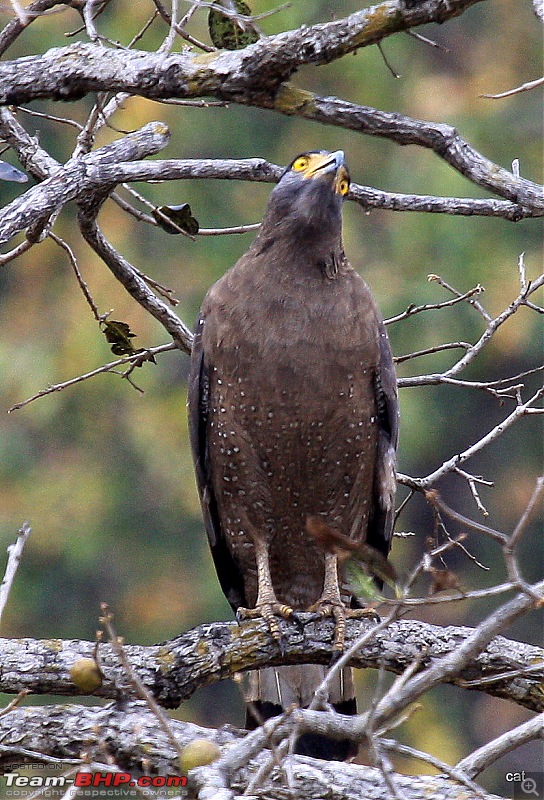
(267, 604)
(331, 602)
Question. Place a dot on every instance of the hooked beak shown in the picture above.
(326, 164)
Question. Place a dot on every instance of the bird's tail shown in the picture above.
(274, 689)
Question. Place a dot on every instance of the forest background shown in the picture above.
(103, 472)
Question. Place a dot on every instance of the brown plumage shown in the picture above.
(293, 416)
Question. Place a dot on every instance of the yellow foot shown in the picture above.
(326, 607)
(269, 612)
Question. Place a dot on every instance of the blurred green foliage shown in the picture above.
(104, 473)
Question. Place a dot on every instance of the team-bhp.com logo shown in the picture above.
(14, 780)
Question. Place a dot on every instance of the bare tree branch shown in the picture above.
(66, 182)
(134, 284)
(441, 139)
(15, 552)
(135, 358)
(59, 74)
(77, 181)
(174, 670)
(452, 463)
(17, 25)
(130, 735)
(482, 758)
(525, 87)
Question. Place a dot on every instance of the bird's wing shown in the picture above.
(380, 528)
(227, 570)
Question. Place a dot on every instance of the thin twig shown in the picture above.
(79, 277)
(436, 501)
(425, 40)
(51, 117)
(110, 367)
(15, 552)
(525, 87)
(143, 693)
(473, 301)
(412, 310)
(483, 757)
(524, 519)
(472, 480)
(475, 594)
(501, 676)
(136, 38)
(520, 410)
(429, 350)
(20, 12)
(512, 566)
(21, 248)
(168, 43)
(456, 773)
(14, 703)
(187, 36)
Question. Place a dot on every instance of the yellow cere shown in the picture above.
(311, 164)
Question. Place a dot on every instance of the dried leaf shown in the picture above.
(443, 580)
(231, 34)
(181, 217)
(118, 334)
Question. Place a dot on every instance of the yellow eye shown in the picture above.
(300, 163)
(343, 187)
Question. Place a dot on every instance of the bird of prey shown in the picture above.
(293, 424)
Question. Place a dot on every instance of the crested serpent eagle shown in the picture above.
(293, 423)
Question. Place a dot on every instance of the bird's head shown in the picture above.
(308, 198)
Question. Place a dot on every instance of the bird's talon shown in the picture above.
(332, 607)
(297, 620)
(268, 612)
(363, 613)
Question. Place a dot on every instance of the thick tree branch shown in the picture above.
(128, 276)
(209, 653)
(130, 735)
(67, 182)
(442, 139)
(77, 181)
(68, 73)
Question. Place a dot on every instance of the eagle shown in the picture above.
(293, 422)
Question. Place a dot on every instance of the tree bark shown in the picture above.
(174, 670)
(130, 735)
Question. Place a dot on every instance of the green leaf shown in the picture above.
(361, 584)
(231, 34)
(181, 217)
